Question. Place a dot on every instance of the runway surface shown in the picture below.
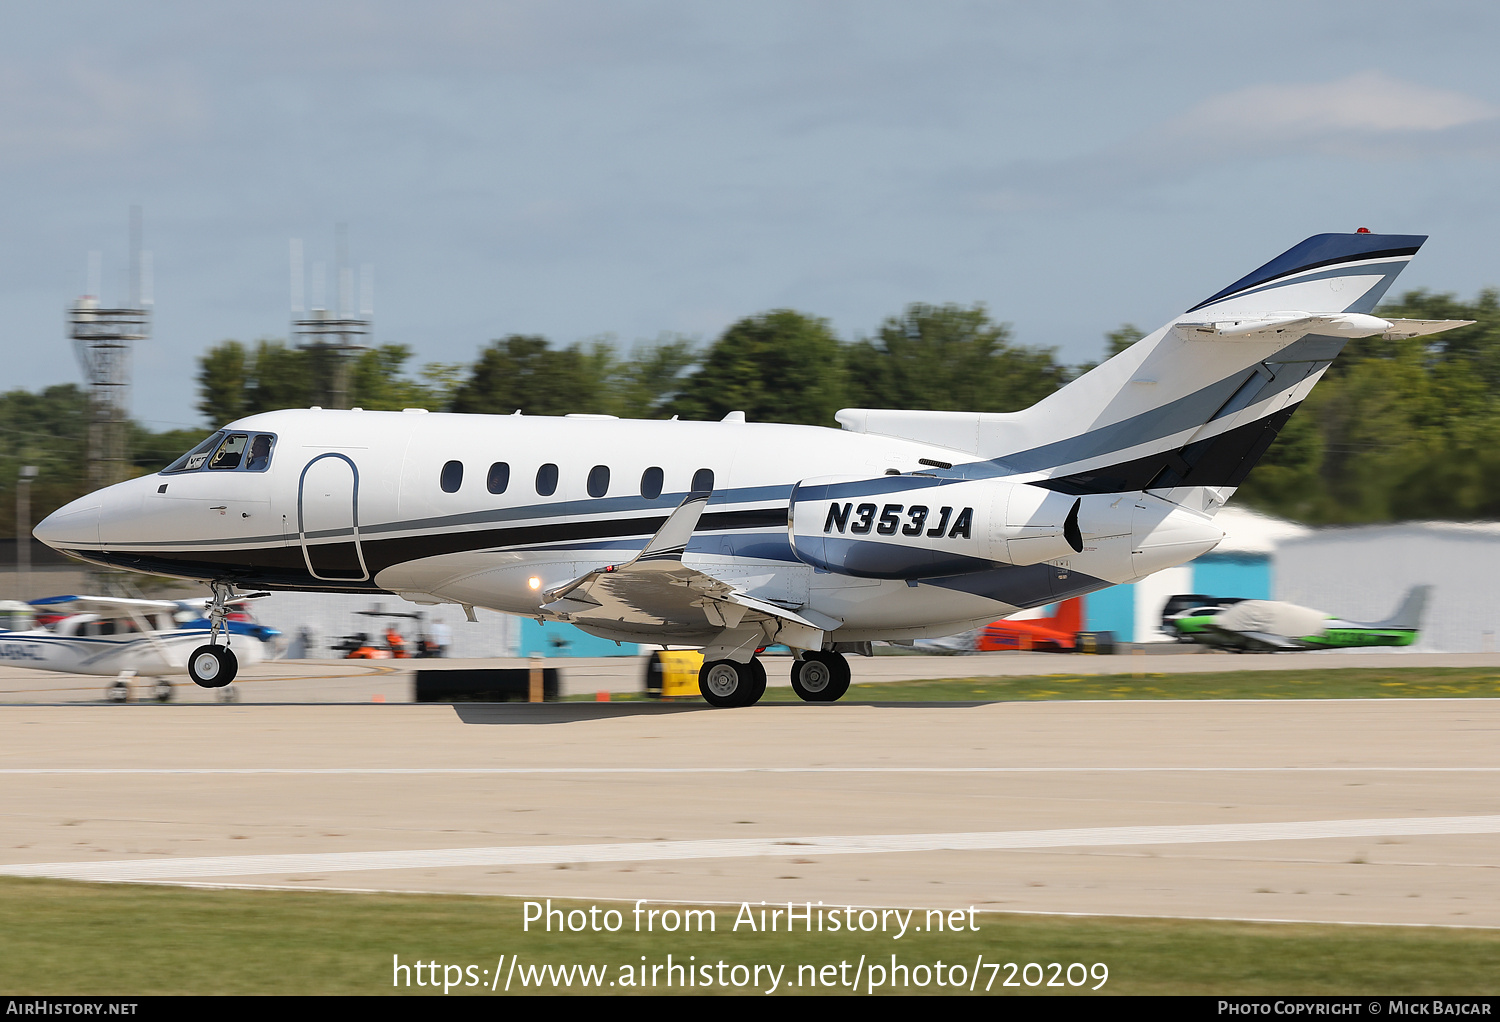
(362, 681)
(1343, 811)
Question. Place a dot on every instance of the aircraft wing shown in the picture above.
(1264, 642)
(656, 589)
(105, 604)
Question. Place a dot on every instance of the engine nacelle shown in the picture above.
(923, 527)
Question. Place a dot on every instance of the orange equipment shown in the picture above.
(1061, 633)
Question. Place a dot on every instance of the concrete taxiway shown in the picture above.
(1352, 811)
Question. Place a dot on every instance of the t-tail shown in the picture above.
(1186, 412)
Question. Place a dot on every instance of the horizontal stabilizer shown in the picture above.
(1289, 326)
(1403, 328)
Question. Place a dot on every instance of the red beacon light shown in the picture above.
(1363, 230)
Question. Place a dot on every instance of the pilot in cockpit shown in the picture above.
(260, 453)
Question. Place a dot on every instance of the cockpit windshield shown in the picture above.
(226, 451)
(194, 459)
(230, 453)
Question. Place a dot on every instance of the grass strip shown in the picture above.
(1332, 683)
(69, 938)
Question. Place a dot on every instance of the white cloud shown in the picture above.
(1365, 103)
(84, 107)
(1367, 117)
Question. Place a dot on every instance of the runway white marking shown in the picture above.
(856, 844)
(481, 771)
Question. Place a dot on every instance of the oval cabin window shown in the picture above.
(651, 481)
(499, 477)
(453, 476)
(546, 480)
(598, 480)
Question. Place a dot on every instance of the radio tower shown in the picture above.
(334, 338)
(102, 338)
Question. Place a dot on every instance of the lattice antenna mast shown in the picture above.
(103, 339)
(336, 336)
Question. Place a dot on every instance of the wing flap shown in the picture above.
(656, 589)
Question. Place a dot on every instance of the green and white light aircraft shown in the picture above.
(1267, 626)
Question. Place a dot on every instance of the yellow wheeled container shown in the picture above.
(673, 673)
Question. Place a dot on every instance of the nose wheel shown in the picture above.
(820, 677)
(212, 666)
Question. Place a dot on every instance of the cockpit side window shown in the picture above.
(231, 452)
(260, 453)
(194, 459)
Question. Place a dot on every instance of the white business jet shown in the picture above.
(736, 535)
(119, 638)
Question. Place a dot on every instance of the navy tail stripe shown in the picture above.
(1324, 250)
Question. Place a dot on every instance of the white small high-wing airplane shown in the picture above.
(119, 638)
(735, 535)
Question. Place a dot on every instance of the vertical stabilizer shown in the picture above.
(1409, 614)
(1187, 411)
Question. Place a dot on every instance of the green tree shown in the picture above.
(223, 375)
(950, 358)
(234, 381)
(780, 366)
(644, 385)
(524, 373)
(47, 430)
(1120, 339)
(1397, 429)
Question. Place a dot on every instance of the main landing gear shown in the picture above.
(731, 683)
(820, 677)
(119, 690)
(212, 665)
(817, 677)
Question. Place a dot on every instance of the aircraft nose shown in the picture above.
(73, 526)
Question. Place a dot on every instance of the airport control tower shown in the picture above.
(103, 339)
(333, 338)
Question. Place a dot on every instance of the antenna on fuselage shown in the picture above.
(334, 336)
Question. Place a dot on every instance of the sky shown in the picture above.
(633, 168)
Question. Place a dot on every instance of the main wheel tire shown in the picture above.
(118, 692)
(831, 690)
(212, 666)
(759, 679)
(729, 683)
(812, 679)
(163, 690)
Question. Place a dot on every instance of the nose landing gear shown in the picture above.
(212, 665)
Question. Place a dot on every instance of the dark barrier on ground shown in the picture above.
(483, 685)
